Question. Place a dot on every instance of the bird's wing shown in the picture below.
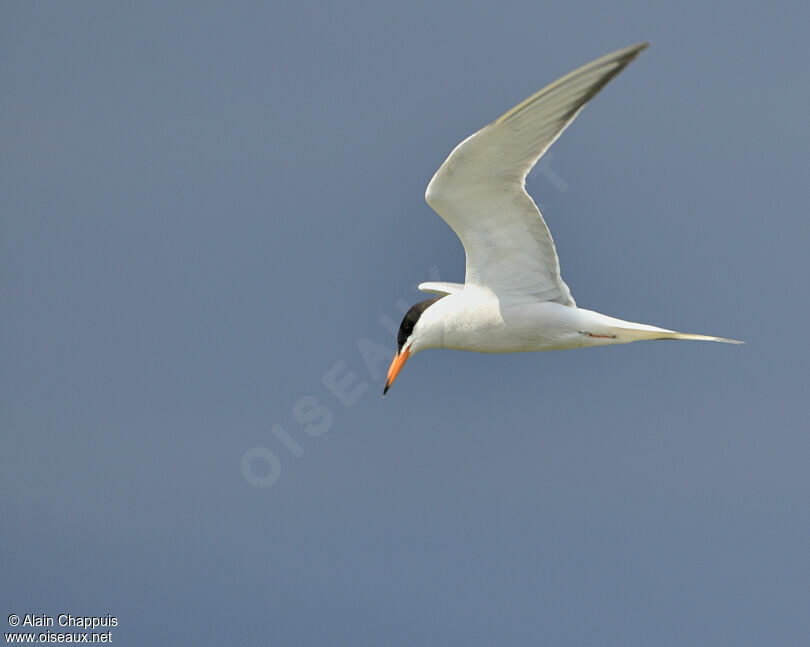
(441, 287)
(480, 189)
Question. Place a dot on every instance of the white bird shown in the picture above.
(513, 298)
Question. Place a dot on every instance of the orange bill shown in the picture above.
(396, 367)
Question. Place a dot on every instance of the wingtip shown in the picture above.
(634, 50)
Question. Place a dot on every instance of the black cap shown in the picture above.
(410, 319)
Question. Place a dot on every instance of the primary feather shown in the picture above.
(480, 189)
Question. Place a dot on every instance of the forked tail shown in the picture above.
(618, 331)
(681, 335)
(651, 332)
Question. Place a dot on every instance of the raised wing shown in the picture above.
(480, 189)
(441, 287)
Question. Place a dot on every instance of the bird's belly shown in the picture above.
(546, 326)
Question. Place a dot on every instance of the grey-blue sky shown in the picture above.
(205, 207)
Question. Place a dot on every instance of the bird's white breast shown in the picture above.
(476, 320)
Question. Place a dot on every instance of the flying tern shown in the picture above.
(513, 298)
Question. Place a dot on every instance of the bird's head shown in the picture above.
(419, 330)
